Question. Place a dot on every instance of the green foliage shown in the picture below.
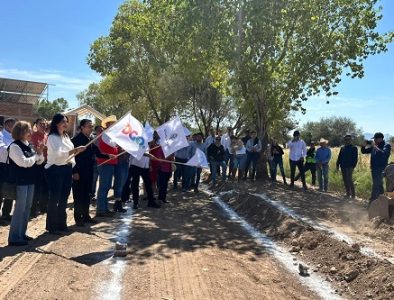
(333, 129)
(265, 56)
(47, 109)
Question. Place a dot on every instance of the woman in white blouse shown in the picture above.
(60, 161)
(21, 160)
(238, 151)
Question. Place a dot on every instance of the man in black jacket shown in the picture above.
(83, 173)
(216, 156)
(347, 161)
(380, 152)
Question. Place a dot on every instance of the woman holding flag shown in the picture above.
(59, 172)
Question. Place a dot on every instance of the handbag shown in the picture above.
(8, 189)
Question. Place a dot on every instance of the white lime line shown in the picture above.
(314, 282)
(335, 234)
(112, 288)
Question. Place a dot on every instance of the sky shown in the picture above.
(48, 41)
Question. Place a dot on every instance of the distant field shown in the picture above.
(362, 174)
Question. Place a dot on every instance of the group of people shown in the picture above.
(44, 165)
(317, 161)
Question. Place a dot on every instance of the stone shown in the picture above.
(379, 210)
(350, 276)
(333, 270)
(350, 256)
(311, 245)
(356, 247)
(303, 270)
(295, 249)
(390, 287)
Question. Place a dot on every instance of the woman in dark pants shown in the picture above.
(59, 173)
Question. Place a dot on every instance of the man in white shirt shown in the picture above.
(5, 140)
(211, 138)
(297, 154)
(141, 168)
(226, 142)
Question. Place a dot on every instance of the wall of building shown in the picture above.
(20, 111)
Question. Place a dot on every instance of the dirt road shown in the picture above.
(186, 250)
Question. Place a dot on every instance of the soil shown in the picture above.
(186, 250)
(355, 275)
(190, 249)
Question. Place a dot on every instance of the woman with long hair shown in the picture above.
(59, 166)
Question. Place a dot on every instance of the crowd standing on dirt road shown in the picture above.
(39, 168)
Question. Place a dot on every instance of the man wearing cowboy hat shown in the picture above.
(107, 170)
(323, 156)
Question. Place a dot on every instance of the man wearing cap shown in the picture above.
(297, 154)
(347, 161)
(380, 152)
(323, 156)
(106, 171)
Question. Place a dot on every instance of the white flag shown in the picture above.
(198, 160)
(149, 131)
(172, 137)
(129, 134)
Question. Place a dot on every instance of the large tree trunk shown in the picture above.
(262, 125)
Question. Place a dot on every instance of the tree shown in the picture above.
(47, 109)
(138, 52)
(268, 55)
(333, 129)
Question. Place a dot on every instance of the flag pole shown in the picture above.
(104, 162)
(109, 159)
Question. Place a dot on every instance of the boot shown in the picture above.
(284, 181)
(118, 207)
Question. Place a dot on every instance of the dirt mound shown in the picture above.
(354, 274)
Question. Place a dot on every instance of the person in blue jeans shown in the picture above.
(277, 153)
(253, 149)
(197, 144)
(21, 159)
(238, 152)
(183, 171)
(120, 176)
(216, 156)
(323, 156)
(380, 152)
